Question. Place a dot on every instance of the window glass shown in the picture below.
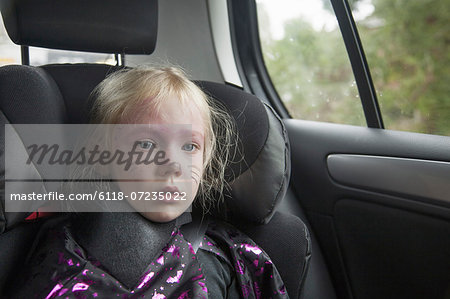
(307, 61)
(9, 52)
(40, 56)
(407, 45)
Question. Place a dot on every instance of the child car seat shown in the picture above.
(58, 93)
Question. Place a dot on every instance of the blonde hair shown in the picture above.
(118, 96)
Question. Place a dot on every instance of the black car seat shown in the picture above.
(58, 93)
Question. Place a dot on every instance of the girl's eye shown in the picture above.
(146, 144)
(190, 147)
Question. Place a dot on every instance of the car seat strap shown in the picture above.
(195, 230)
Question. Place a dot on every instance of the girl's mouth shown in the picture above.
(171, 194)
(170, 189)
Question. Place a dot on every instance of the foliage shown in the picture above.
(407, 46)
(408, 54)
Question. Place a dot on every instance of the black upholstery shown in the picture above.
(15, 245)
(286, 239)
(115, 26)
(28, 96)
(76, 82)
(262, 176)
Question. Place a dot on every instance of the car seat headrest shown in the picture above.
(261, 169)
(115, 26)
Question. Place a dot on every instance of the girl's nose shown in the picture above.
(170, 169)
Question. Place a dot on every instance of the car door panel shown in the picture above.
(379, 203)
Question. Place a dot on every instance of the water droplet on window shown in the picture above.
(287, 97)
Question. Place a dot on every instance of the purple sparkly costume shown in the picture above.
(60, 268)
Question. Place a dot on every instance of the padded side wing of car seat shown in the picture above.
(285, 237)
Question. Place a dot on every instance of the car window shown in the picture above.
(407, 47)
(9, 52)
(306, 59)
(406, 44)
(40, 56)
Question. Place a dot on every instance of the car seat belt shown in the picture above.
(195, 230)
(124, 243)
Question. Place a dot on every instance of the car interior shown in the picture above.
(343, 211)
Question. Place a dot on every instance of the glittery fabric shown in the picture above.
(60, 268)
(255, 272)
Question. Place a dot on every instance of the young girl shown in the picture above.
(145, 254)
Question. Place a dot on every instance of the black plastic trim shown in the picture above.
(25, 53)
(247, 52)
(359, 64)
(392, 175)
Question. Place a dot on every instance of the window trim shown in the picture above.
(248, 54)
(359, 63)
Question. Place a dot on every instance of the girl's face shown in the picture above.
(167, 167)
